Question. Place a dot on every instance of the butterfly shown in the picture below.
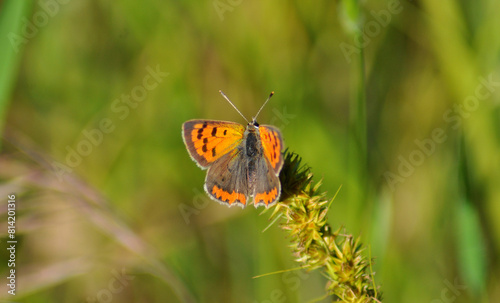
(241, 162)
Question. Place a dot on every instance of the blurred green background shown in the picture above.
(110, 208)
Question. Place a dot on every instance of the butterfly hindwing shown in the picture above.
(208, 140)
(267, 187)
(272, 144)
(227, 181)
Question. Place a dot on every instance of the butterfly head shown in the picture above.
(254, 123)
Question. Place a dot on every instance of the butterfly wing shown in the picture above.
(272, 144)
(267, 188)
(208, 140)
(227, 181)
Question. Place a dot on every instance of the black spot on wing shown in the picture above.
(214, 131)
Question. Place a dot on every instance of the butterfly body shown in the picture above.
(242, 163)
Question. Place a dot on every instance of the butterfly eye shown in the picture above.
(253, 123)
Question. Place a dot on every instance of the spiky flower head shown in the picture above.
(340, 257)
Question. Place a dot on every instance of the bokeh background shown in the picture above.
(403, 114)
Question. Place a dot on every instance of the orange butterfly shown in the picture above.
(241, 162)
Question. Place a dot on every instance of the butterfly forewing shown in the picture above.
(272, 145)
(208, 140)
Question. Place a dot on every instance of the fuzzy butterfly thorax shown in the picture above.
(253, 147)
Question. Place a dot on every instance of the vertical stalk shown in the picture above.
(359, 105)
(12, 42)
(357, 149)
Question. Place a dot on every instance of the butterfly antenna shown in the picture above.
(270, 95)
(227, 99)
